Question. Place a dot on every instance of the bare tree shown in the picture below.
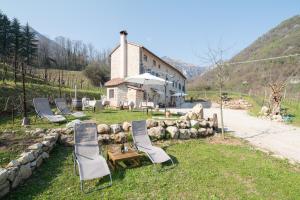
(215, 57)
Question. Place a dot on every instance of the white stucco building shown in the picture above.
(129, 59)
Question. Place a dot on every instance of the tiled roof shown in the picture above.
(114, 82)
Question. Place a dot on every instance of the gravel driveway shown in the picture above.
(282, 140)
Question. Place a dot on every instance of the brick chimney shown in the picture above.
(123, 53)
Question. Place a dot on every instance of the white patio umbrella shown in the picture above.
(147, 79)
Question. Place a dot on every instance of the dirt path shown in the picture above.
(282, 140)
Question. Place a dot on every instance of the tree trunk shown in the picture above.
(59, 80)
(25, 116)
(15, 71)
(221, 112)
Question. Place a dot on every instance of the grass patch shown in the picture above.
(203, 171)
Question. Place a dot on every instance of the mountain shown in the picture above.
(282, 40)
(44, 39)
(188, 69)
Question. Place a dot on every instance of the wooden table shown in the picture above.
(117, 158)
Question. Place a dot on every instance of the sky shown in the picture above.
(180, 29)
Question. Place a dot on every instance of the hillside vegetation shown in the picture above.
(281, 40)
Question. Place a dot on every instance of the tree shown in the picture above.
(216, 58)
(5, 41)
(97, 73)
(28, 54)
(16, 44)
(43, 56)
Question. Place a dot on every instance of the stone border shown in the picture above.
(20, 169)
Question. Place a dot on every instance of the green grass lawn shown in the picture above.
(203, 171)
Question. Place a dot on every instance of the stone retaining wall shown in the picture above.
(17, 171)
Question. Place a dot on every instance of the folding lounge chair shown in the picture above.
(63, 108)
(43, 110)
(143, 143)
(86, 154)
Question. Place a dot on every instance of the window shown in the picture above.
(179, 85)
(111, 93)
(154, 63)
(145, 58)
(159, 66)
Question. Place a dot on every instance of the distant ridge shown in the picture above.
(188, 69)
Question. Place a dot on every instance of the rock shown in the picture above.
(120, 137)
(192, 115)
(33, 165)
(184, 124)
(72, 124)
(13, 163)
(173, 131)
(126, 126)
(30, 155)
(67, 140)
(69, 131)
(39, 161)
(12, 173)
(46, 143)
(209, 131)
(49, 138)
(103, 129)
(184, 134)
(115, 128)
(151, 123)
(26, 157)
(210, 124)
(56, 134)
(264, 111)
(193, 133)
(198, 109)
(25, 171)
(195, 124)
(104, 138)
(36, 146)
(203, 124)
(45, 155)
(156, 133)
(184, 117)
(202, 132)
(3, 175)
(4, 189)
(112, 137)
(277, 118)
(169, 123)
(37, 132)
(17, 180)
(162, 124)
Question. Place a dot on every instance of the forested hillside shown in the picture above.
(282, 40)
